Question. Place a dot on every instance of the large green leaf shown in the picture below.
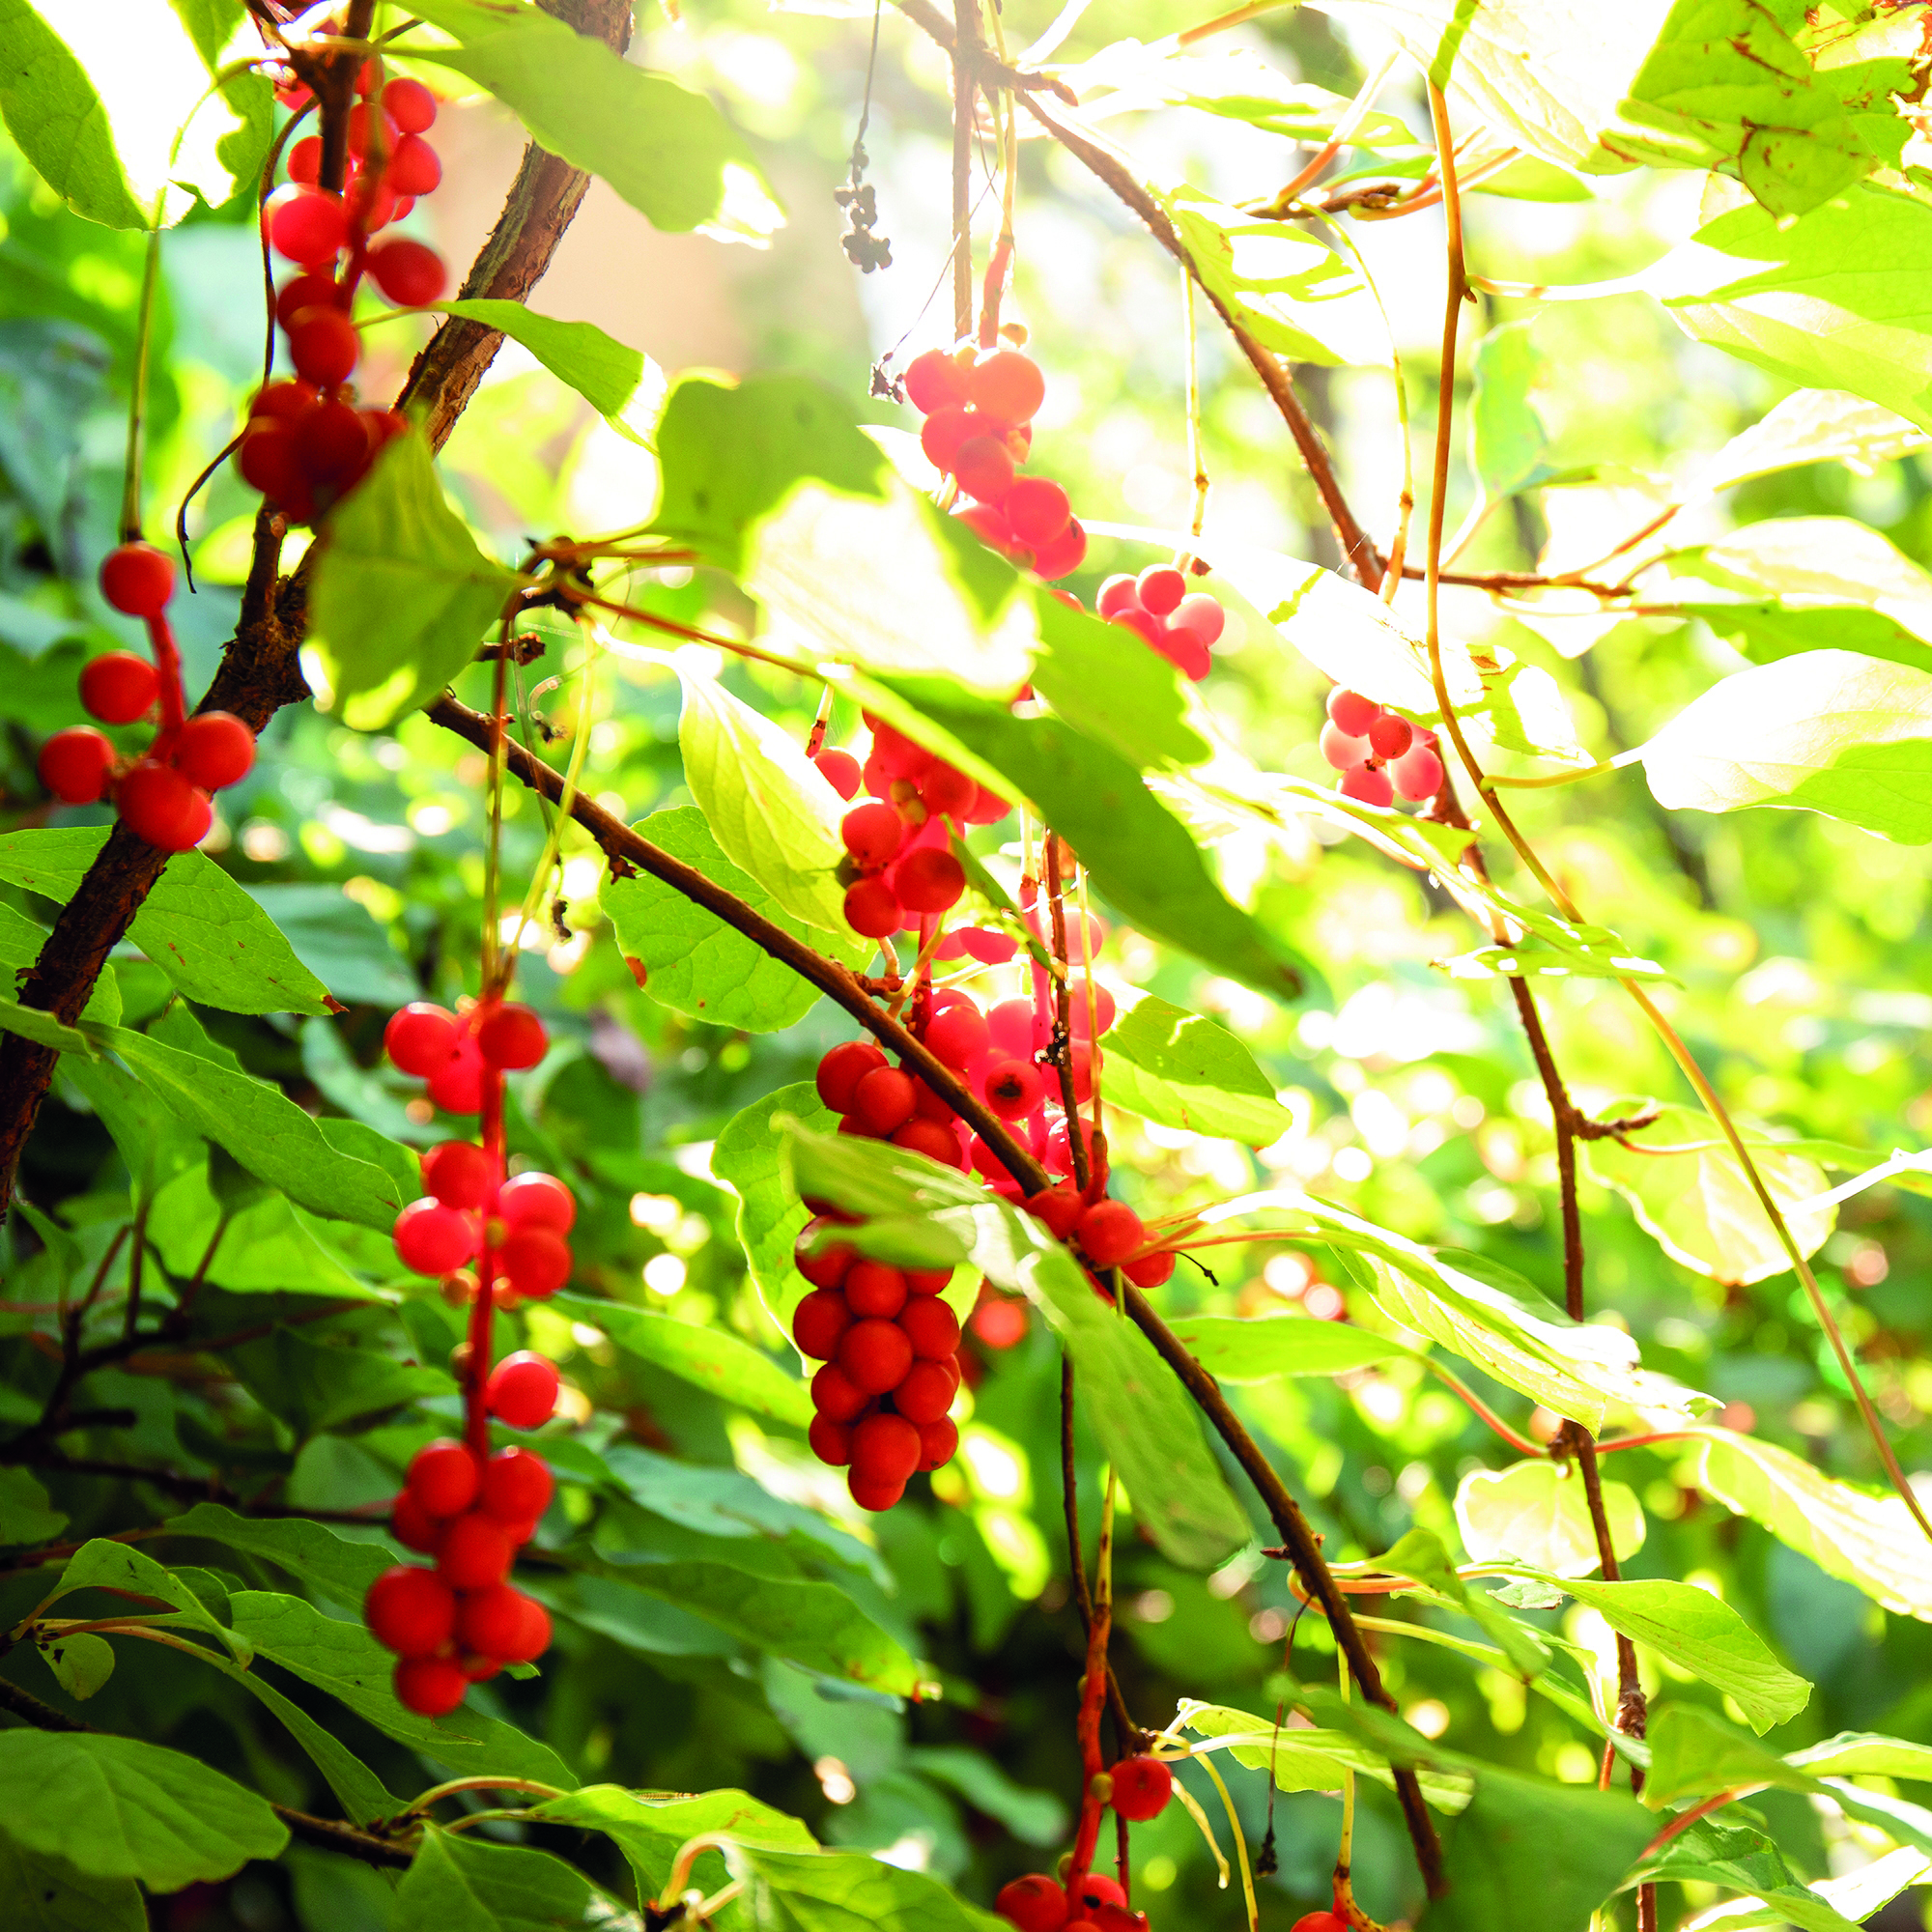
(650, 1829)
(665, 150)
(1813, 426)
(1304, 1759)
(1175, 1067)
(45, 1893)
(847, 1891)
(103, 1564)
(402, 596)
(122, 1808)
(211, 940)
(748, 1158)
(1256, 1349)
(469, 1885)
(621, 384)
(20, 943)
(315, 1385)
(24, 1515)
(1740, 1858)
(692, 961)
(265, 1247)
(1536, 1512)
(311, 1550)
(1507, 439)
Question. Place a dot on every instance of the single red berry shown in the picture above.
(1201, 615)
(870, 1492)
(517, 1485)
(359, 130)
(985, 467)
(1111, 1917)
(1061, 558)
(1340, 750)
(1035, 1903)
(432, 1687)
(158, 805)
(1058, 1155)
(138, 580)
(839, 770)
(119, 687)
(442, 1478)
(1006, 386)
(872, 909)
(536, 1200)
(413, 1525)
(884, 1449)
(331, 440)
(420, 1037)
(1351, 712)
(1142, 1787)
(1095, 1888)
(928, 1391)
(1390, 737)
(822, 1266)
(456, 1084)
(432, 1238)
(943, 431)
(1059, 1208)
(1086, 1024)
(989, 525)
(522, 1643)
(978, 942)
(214, 748)
(938, 1442)
(1109, 1232)
(930, 880)
(410, 1610)
(959, 1035)
(1321, 1921)
(842, 1069)
(934, 380)
(835, 1396)
(1009, 1026)
(473, 1553)
(534, 1262)
(413, 166)
(875, 1355)
(74, 764)
(308, 225)
(875, 1288)
(946, 791)
(409, 273)
(1417, 774)
(512, 1037)
(522, 1390)
(831, 1441)
(410, 104)
(1001, 1324)
(1150, 1270)
(930, 1327)
(1368, 787)
(267, 462)
(285, 400)
(819, 1322)
(873, 834)
(304, 163)
(899, 756)
(323, 346)
(919, 1135)
(1037, 510)
(1014, 1088)
(459, 1174)
(371, 201)
(1160, 587)
(1117, 596)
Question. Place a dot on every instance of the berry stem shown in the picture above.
(1093, 1696)
(137, 407)
(476, 1374)
(965, 84)
(1063, 1031)
(174, 699)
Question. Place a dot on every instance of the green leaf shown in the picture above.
(1175, 1067)
(847, 1891)
(1694, 1750)
(120, 1809)
(1135, 701)
(712, 1358)
(748, 1158)
(43, 1029)
(402, 596)
(649, 1830)
(692, 961)
(665, 150)
(341, 939)
(1690, 1194)
(1256, 1349)
(339, 1568)
(315, 1385)
(1304, 1759)
(1865, 1754)
(767, 805)
(1536, 1512)
(265, 1249)
(1740, 1858)
(98, 115)
(1813, 426)
(1506, 438)
(212, 941)
(1702, 1634)
(1421, 1554)
(81, 1664)
(44, 1893)
(20, 943)
(150, 1137)
(1147, 1426)
(467, 1885)
(1033, 1817)
(24, 1515)
(105, 1565)
(621, 384)
(344, 1660)
(262, 1128)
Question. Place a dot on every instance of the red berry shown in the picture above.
(331, 440)
(1109, 1232)
(873, 1288)
(432, 1238)
(410, 104)
(1001, 1324)
(873, 834)
(872, 909)
(1111, 1917)
(937, 1444)
(898, 755)
(158, 805)
(522, 1390)
(839, 770)
(928, 1391)
(1340, 750)
(875, 1355)
(536, 1200)
(442, 1478)
(456, 1084)
(1035, 1903)
(989, 525)
(323, 346)
(1150, 1270)
(1009, 1026)
(1117, 595)
(818, 1323)
(305, 164)
(267, 462)
(835, 1396)
(512, 1037)
(517, 1485)
(985, 467)
(943, 431)
(1014, 1088)
(534, 1262)
(214, 748)
(1063, 555)
(473, 1553)
(831, 1441)
(946, 791)
(119, 687)
(884, 1100)
(409, 273)
(308, 225)
(413, 166)
(957, 1036)
(1142, 1787)
(884, 1449)
(1160, 587)
(1060, 1207)
(1321, 1921)
(138, 580)
(871, 1494)
(842, 1069)
(410, 1610)
(919, 1135)
(1006, 386)
(432, 1687)
(823, 1266)
(929, 880)
(1368, 787)
(458, 1174)
(413, 1525)
(934, 380)
(1058, 1157)
(1037, 510)
(1201, 616)
(1390, 735)
(1417, 774)
(1095, 1888)
(359, 130)
(1083, 1023)
(930, 1327)
(502, 1624)
(420, 1037)
(74, 764)
(1351, 712)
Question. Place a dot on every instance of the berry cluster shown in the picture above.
(162, 795)
(306, 443)
(1138, 1788)
(1381, 756)
(461, 1622)
(978, 410)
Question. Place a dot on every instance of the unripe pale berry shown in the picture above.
(214, 748)
(522, 1390)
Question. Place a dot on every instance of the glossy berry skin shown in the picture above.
(919, 1135)
(1351, 712)
(1142, 1787)
(1063, 555)
(420, 1036)
(1160, 588)
(536, 1200)
(1109, 1232)
(413, 1525)
(934, 381)
(1060, 1207)
(308, 225)
(74, 764)
(512, 1038)
(830, 1442)
(874, 1355)
(1390, 737)
(459, 1174)
(873, 1290)
(1201, 615)
(534, 1262)
(928, 1391)
(842, 1069)
(871, 1493)
(883, 1101)
(331, 440)
(413, 166)
(1150, 1270)
(442, 1478)
(522, 1390)
(930, 1326)
(1341, 751)
(872, 909)
(1086, 1024)
(959, 1035)
(1014, 1088)
(1321, 1921)
(835, 1396)
(410, 104)
(984, 469)
(822, 1266)
(432, 1238)
(158, 805)
(119, 687)
(138, 580)
(872, 832)
(1096, 1889)
(214, 748)
(930, 880)
(503, 1625)
(884, 1449)
(410, 1610)
(456, 1084)
(1367, 786)
(818, 1323)
(323, 346)
(839, 770)
(432, 1687)
(938, 1443)
(1006, 386)
(473, 1553)
(1035, 1903)
(517, 1485)
(1417, 774)
(409, 273)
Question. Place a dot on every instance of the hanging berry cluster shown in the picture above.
(470, 1508)
(307, 444)
(979, 409)
(1382, 756)
(161, 794)
(1138, 1789)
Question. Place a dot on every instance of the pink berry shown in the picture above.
(1367, 785)
(1201, 615)
(1160, 588)
(1390, 737)
(1341, 751)
(1351, 712)
(1417, 774)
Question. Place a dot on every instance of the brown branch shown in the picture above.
(967, 53)
(260, 673)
